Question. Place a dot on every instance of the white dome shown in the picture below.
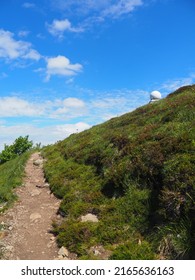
(155, 95)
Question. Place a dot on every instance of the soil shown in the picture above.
(27, 225)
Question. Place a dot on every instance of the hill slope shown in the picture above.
(136, 174)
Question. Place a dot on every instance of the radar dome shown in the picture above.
(155, 95)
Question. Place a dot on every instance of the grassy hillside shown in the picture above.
(11, 174)
(136, 173)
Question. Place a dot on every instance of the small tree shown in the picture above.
(7, 153)
(20, 145)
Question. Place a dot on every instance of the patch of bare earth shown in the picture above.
(27, 225)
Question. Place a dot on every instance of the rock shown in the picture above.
(35, 216)
(39, 186)
(61, 258)
(45, 185)
(100, 252)
(38, 162)
(2, 205)
(89, 218)
(35, 192)
(9, 249)
(63, 252)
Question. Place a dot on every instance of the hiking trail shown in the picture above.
(28, 223)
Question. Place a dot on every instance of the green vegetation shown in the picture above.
(20, 145)
(11, 174)
(12, 163)
(136, 173)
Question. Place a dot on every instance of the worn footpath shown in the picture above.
(27, 226)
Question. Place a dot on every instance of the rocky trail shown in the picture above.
(26, 226)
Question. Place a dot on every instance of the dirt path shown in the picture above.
(29, 221)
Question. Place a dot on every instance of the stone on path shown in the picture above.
(38, 162)
(35, 216)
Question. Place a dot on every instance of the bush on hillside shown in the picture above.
(133, 251)
(20, 145)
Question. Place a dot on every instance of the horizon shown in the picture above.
(67, 66)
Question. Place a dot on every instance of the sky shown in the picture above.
(67, 65)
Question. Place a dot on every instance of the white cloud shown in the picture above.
(32, 54)
(68, 108)
(28, 5)
(45, 135)
(172, 85)
(73, 102)
(11, 49)
(61, 66)
(67, 129)
(96, 11)
(121, 7)
(89, 13)
(58, 27)
(15, 107)
(23, 33)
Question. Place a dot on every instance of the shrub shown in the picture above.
(76, 236)
(20, 145)
(177, 240)
(133, 251)
(11, 174)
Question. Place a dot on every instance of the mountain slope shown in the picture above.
(136, 173)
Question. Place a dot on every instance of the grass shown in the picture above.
(136, 173)
(11, 174)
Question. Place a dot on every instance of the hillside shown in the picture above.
(135, 174)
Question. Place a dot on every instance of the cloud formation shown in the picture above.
(45, 135)
(15, 107)
(11, 49)
(61, 66)
(69, 115)
(100, 8)
(28, 5)
(172, 85)
(60, 108)
(120, 8)
(89, 13)
(58, 27)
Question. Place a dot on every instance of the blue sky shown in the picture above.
(68, 65)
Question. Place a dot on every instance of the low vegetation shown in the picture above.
(11, 174)
(12, 164)
(136, 173)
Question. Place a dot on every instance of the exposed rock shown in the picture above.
(40, 186)
(2, 205)
(63, 252)
(35, 216)
(89, 218)
(35, 192)
(9, 248)
(38, 162)
(100, 252)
